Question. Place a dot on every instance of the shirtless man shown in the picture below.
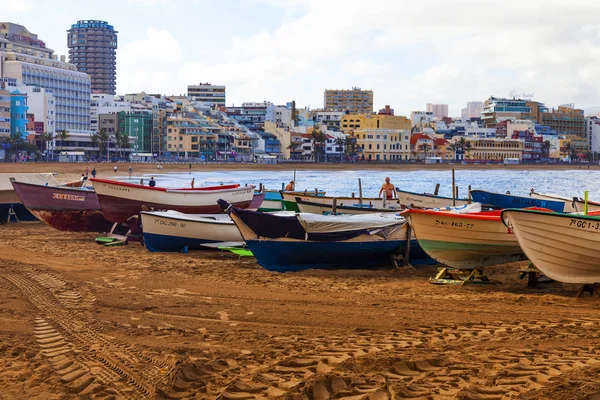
(290, 187)
(389, 189)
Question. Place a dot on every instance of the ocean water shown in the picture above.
(342, 183)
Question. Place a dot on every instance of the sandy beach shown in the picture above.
(79, 320)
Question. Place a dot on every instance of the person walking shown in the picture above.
(87, 171)
(94, 172)
(389, 189)
(130, 171)
(115, 169)
(193, 181)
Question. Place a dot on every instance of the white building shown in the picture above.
(208, 93)
(27, 59)
(438, 110)
(105, 104)
(331, 119)
(421, 117)
(464, 114)
(280, 115)
(473, 130)
(474, 109)
(592, 133)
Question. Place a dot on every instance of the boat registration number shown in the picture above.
(170, 223)
(62, 196)
(453, 224)
(594, 226)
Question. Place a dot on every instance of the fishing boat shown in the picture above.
(565, 247)
(274, 200)
(321, 208)
(303, 241)
(257, 200)
(290, 200)
(501, 201)
(121, 200)
(9, 200)
(464, 241)
(64, 208)
(574, 204)
(426, 200)
(172, 230)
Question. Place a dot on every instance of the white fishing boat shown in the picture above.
(464, 240)
(320, 208)
(172, 230)
(426, 200)
(289, 200)
(121, 200)
(565, 247)
(574, 204)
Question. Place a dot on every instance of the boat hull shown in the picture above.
(63, 208)
(290, 202)
(571, 205)
(257, 201)
(502, 201)
(564, 247)
(119, 201)
(316, 208)
(465, 241)
(167, 231)
(422, 200)
(288, 256)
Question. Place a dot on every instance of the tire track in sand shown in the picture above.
(317, 368)
(84, 358)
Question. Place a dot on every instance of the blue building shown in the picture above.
(18, 114)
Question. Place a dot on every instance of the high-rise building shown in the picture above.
(354, 101)
(27, 60)
(439, 110)
(474, 109)
(92, 48)
(207, 93)
(18, 113)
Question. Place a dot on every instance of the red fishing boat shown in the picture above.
(121, 200)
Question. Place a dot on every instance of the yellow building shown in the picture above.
(284, 136)
(374, 121)
(493, 149)
(383, 144)
(186, 136)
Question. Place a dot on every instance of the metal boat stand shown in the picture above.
(451, 276)
(591, 288)
(534, 276)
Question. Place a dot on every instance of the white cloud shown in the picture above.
(409, 53)
(21, 6)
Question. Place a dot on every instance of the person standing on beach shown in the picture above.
(152, 182)
(130, 171)
(193, 181)
(94, 172)
(115, 169)
(290, 187)
(190, 167)
(87, 171)
(389, 189)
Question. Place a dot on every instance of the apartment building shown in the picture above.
(493, 149)
(208, 93)
(375, 121)
(353, 101)
(383, 144)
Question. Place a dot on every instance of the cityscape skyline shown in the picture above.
(270, 50)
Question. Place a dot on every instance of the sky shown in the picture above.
(408, 52)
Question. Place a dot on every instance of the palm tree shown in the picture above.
(123, 143)
(319, 139)
(546, 146)
(467, 148)
(63, 135)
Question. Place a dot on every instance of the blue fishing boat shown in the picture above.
(304, 241)
(502, 201)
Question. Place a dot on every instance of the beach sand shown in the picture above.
(79, 320)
